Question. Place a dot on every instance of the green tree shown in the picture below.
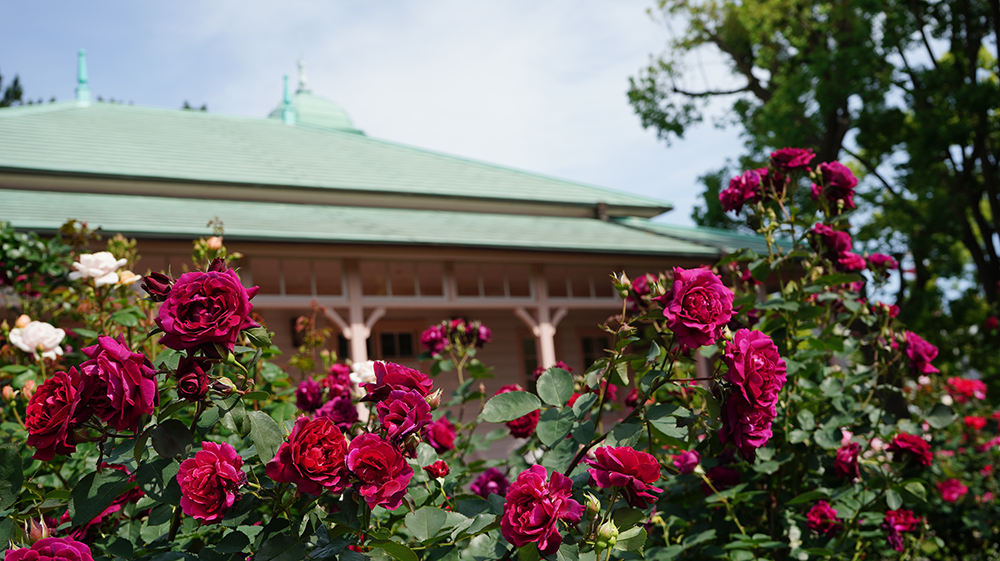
(12, 95)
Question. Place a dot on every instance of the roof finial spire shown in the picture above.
(82, 89)
(302, 76)
(287, 111)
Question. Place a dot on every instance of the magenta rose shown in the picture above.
(835, 242)
(341, 411)
(210, 482)
(743, 189)
(964, 389)
(380, 471)
(314, 458)
(338, 381)
(838, 183)
(952, 490)
(119, 385)
(403, 413)
(850, 261)
(390, 376)
(745, 426)
(896, 523)
(787, 159)
(698, 307)
(881, 261)
(822, 518)
(912, 446)
(192, 378)
(437, 469)
(686, 461)
(209, 308)
(534, 506)
(846, 464)
(755, 368)
(624, 467)
(52, 415)
(434, 339)
(483, 335)
(440, 435)
(490, 481)
(52, 549)
(921, 353)
(521, 427)
(309, 395)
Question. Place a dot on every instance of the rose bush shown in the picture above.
(769, 407)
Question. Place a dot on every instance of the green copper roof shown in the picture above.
(184, 218)
(313, 111)
(111, 140)
(727, 242)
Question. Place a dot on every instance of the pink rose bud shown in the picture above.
(37, 530)
(29, 389)
(215, 242)
(22, 321)
(8, 393)
(434, 399)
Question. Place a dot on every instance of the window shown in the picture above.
(529, 352)
(396, 344)
(593, 348)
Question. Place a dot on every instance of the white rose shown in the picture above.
(947, 400)
(363, 373)
(36, 337)
(100, 266)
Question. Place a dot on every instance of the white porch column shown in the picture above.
(544, 328)
(357, 329)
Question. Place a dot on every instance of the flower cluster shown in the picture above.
(455, 335)
(757, 374)
(836, 246)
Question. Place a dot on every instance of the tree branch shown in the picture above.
(871, 169)
(710, 93)
(923, 36)
(745, 68)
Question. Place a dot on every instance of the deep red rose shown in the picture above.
(964, 389)
(952, 490)
(743, 189)
(390, 376)
(899, 521)
(838, 183)
(338, 381)
(882, 261)
(534, 506)
(787, 159)
(210, 482)
(686, 461)
(309, 395)
(632, 399)
(912, 446)
(722, 478)
(629, 469)
(52, 549)
(991, 323)
(157, 285)
(52, 415)
(208, 308)
(746, 426)
(314, 457)
(380, 471)
(521, 427)
(437, 469)
(440, 435)
(434, 339)
(755, 368)
(490, 481)
(822, 518)
(403, 413)
(698, 307)
(846, 464)
(192, 378)
(341, 411)
(835, 242)
(118, 385)
(975, 423)
(921, 353)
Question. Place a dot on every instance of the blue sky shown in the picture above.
(538, 86)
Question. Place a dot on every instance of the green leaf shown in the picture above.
(558, 458)
(256, 396)
(893, 499)
(827, 437)
(584, 432)
(528, 552)
(267, 435)
(158, 479)
(509, 406)
(95, 492)
(396, 550)
(916, 489)
(425, 523)
(233, 542)
(583, 404)
(654, 352)
(281, 547)
(619, 376)
(807, 497)
(125, 318)
(554, 425)
(259, 337)
(941, 416)
(426, 454)
(625, 434)
(555, 386)
(233, 414)
(806, 420)
(171, 439)
(626, 517)
(11, 476)
(632, 539)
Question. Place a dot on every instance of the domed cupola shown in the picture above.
(306, 109)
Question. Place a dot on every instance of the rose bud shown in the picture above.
(22, 321)
(157, 285)
(434, 399)
(223, 387)
(192, 378)
(8, 393)
(218, 265)
(607, 536)
(29, 389)
(37, 530)
(593, 507)
(438, 469)
(215, 242)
